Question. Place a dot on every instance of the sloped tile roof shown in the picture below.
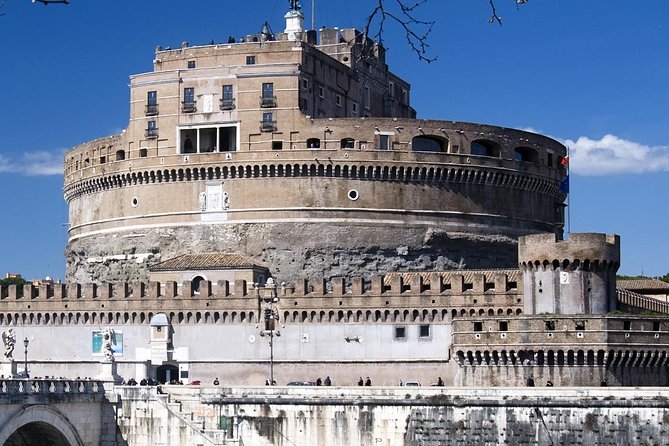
(642, 284)
(212, 260)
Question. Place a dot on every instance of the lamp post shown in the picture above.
(270, 318)
(25, 360)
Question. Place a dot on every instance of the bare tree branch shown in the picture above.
(416, 31)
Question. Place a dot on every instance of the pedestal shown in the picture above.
(9, 369)
(109, 372)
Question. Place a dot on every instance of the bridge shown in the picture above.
(36, 412)
(55, 412)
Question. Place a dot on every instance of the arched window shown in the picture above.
(196, 283)
(429, 143)
(120, 155)
(482, 147)
(348, 143)
(526, 154)
(313, 143)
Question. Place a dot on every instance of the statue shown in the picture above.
(294, 5)
(108, 340)
(9, 340)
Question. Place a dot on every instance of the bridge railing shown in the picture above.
(50, 386)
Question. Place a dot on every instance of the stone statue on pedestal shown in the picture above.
(108, 340)
(9, 340)
(294, 5)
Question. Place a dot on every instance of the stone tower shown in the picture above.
(575, 276)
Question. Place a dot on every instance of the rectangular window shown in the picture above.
(368, 98)
(550, 325)
(152, 129)
(321, 92)
(384, 142)
(191, 64)
(305, 84)
(400, 332)
(338, 100)
(267, 124)
(627, 325)
(268, 99)
(354, 107)
(250, 60)
(227, 98)
(478, 326)
(391, 88)
(189, 105)
(424, 331)
(503, 326)
(151, 103)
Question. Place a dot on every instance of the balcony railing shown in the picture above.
(151, 133)
(268, 102)
(268, 126)
(227, 104)
(188, 106)
(151, 110)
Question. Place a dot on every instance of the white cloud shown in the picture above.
(34, 163)
(612, 155)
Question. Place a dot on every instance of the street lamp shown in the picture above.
(270, 319)
(25, 361)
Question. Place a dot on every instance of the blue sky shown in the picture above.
(593, 74)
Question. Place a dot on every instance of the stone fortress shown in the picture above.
(400, 248)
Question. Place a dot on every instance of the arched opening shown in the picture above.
(167, 373)
(483, 147)
(37, 425)
(429, 143)
(526, 154)
(348, 143)
(120, 155)
(196, 284)
(313, 143)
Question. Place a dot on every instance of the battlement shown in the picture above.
(581, 251)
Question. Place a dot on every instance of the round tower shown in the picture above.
(575, 276)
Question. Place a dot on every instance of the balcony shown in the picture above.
(151, 133)
(151, 110)
(268, 126)
(228, 104)
(188, 106)
(268, 102)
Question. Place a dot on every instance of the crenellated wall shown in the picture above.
(575, 276)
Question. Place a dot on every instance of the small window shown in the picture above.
(305, 84)
(189, 105)
(103, 159)
(227, 98)
(152, 129)
(250, 60)
(424, 331)
(143, 153)
(579, 325)
(354, 108)
(321, 92)
(656, 325)
(550, 325)
(549, 161)
(338, 100)
(120, 155)
(467, 286)
(384, 142)
(152, 103)
(503, 325)
(368, 98)
(627, 325)
(277, 145)
(313, 143)
(478, 326)
(400, 332)
(348, 143)
(191, 64)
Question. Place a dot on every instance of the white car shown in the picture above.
(412, 384)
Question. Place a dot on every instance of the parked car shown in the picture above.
(412, 384)
(301, 383)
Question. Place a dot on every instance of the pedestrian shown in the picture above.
(549, 383)
(368, 382)
(319, 382)
(361, 382)
(216, 381)
(328, 381)
(530, 381)
(440, 382)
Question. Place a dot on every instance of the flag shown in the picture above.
(564, 184)
(565, 161)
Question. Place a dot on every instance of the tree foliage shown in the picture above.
(13, 281)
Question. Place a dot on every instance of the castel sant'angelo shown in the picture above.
(398, 247)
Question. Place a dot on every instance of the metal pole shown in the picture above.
(271, 358)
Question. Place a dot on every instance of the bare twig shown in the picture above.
(416, 31)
